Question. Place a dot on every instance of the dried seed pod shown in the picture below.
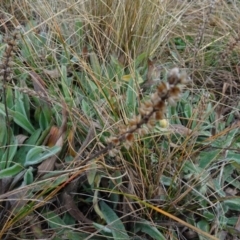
(159, 115)
(129, 137)
(160, 105)
(172, 101)
(155, 98)
(142, 112)
(134, 121)
(162, 89)
(174, 92)
(12, 43)
(113, 152)
(142, 131)
(174, 76)
(113, 140)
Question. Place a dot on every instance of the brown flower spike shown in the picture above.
(7, 63)
(150, 111)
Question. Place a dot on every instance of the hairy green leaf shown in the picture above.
(97, 181)
(91, 172)
(9, 99)
(3, 131)
(95, 64)
(38, 154)
(70, 234)
(9, 153)
(23, 122)
(28, 176)
(131, 96)
(114, 223)
(206, 158)
(54, 221)
(11, 171)
(148, 228)
(233, 203)
(20, 156)
(65, 83)
(232, 156)
(204, 225)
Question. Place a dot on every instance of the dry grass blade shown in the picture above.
(195, 229)
(90, 136)
(72, 209)
(94, 55)
(54, 73)
(56, 139)
(182, 130)
(38, 84)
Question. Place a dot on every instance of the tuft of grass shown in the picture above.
(99, 135)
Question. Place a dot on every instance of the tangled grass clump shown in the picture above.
(101, 136)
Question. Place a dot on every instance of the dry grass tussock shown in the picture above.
(104, 137)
